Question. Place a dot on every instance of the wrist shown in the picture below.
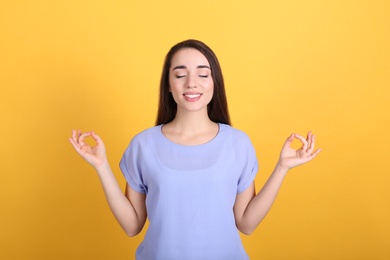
(280, 169)
(103, 167)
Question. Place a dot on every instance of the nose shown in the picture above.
(191, 81)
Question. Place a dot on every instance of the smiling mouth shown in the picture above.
(192, 95)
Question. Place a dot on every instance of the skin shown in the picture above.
(129, 209)
(190, 74)
(192, 88)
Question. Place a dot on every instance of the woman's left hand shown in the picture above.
(290, 157)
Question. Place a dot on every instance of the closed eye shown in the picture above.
(204, 76)
(180, 76)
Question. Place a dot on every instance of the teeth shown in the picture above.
(193, 95)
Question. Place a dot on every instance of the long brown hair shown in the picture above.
(217, 108)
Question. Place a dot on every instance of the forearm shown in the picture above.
(120, 206)
(260, 205)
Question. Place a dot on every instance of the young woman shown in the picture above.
(192, 174)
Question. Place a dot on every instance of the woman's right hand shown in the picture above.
(94, 155)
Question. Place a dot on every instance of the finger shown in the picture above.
(75, 136)
(289, 140)
(75, 145)
(82, 137)
(316, 153)
(309, 139)
(97, 138)
(303, 140)
(72, 142)
(311, 143)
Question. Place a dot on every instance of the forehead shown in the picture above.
(189, 56)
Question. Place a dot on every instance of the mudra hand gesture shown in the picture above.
(94, 155)
(290, 157)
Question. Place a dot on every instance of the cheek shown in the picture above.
(210, 86)
(174, 84)
(171, 85)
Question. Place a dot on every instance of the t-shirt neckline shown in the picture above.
(195, 145)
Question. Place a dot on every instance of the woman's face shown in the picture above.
(190, 80)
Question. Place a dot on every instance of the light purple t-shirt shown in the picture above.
(190, 193)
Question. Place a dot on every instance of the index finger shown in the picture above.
(303, 141)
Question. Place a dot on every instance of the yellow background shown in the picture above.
(290, 66)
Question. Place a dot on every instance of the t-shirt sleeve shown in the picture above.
(130, 165)
(248, 160)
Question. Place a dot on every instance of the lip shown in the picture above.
(192, 96)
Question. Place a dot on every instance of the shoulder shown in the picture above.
(147, 134)
(237, 140)
(236, 135)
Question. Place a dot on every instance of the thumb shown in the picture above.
(289, 141)
(97, 139)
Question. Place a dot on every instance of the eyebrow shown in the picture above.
(184, 67)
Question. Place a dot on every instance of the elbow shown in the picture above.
(132, 232)
(245, 229)
(247, 233)
(132, 228)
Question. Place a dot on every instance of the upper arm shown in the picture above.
(137, 200)
(242, 202)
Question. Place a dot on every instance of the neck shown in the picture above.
(192, 121)
(191, 128)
